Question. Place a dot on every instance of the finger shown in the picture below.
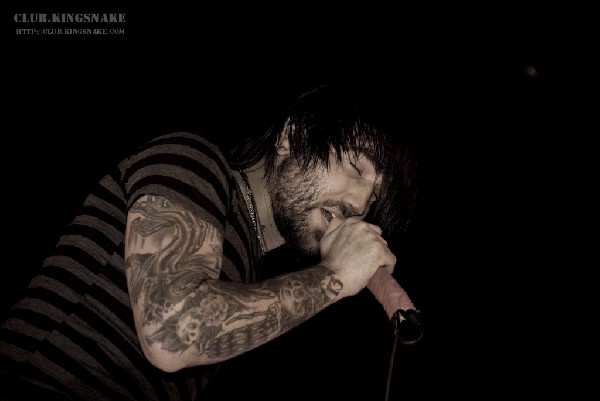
(390, 261)
(377, 232)
(390, 268)
(375, 228)
(334, 224)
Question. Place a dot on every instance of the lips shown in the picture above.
(328, 216)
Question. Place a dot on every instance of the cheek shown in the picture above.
(316, 224)
(314, 219)
(334, 185)
(369, 206)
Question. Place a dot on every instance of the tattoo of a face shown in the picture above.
(306, 292)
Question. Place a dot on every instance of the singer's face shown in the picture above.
(304, 202)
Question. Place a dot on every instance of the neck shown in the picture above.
(270, 234)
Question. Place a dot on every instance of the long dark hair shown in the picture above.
(330, 117)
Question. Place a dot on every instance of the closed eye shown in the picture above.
(356, 168)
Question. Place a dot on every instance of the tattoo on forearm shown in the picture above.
(222, 318)
(334, 286)
(191, 310)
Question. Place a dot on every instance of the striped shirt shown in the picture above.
(72, 336)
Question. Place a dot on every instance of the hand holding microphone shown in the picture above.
(355, 249)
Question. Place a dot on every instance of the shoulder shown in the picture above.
(187, 138)
(180, 143)
(188, 168)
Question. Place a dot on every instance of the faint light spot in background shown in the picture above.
(531, 71)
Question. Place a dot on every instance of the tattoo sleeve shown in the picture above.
(173, 260)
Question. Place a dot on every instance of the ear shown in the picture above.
(283, 143)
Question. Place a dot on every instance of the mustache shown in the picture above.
(343, 208)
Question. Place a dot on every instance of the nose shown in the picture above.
(358, 198)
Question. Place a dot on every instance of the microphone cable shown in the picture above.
(404, 317)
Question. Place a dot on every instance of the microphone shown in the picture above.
(397, 305)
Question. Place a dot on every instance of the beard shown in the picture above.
(294, 194)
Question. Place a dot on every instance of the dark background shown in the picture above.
(492, 93)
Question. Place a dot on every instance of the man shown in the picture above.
(158, 280)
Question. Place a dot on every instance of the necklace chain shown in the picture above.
(253, 213)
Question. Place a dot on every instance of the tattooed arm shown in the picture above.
(184, 315)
